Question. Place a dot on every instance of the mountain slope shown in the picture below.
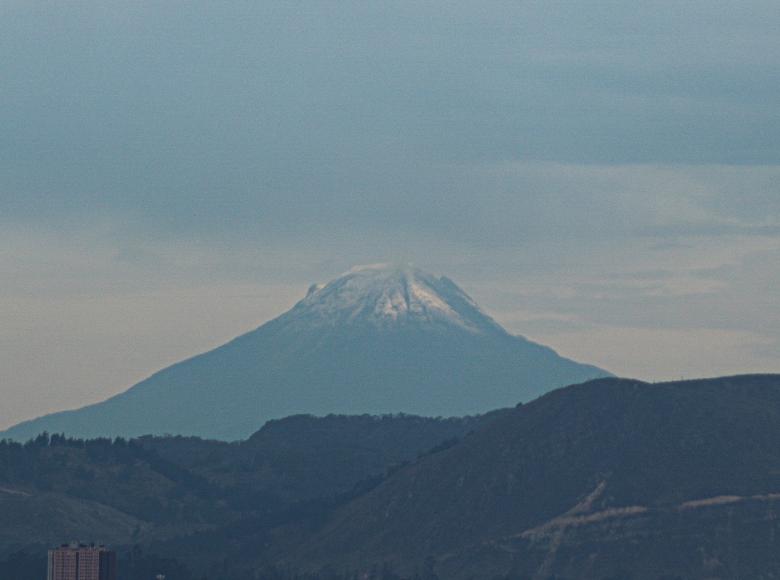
(376, 340)
(609, 479)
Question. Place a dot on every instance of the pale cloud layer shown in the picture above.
(602, 177)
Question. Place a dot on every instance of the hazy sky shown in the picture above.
(602, 176)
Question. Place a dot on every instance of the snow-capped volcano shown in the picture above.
(378, 339)
(386, 294)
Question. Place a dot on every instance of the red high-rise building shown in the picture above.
(82, 562)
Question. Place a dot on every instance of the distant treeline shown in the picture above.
(101, 470)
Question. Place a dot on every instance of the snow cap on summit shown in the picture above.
(387, 294)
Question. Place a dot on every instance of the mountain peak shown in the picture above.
(390, 294)
(377, 339)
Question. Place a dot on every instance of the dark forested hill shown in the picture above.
(55, 489)
(304, 457)
(612, 478)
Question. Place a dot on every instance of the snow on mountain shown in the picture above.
(383, 294)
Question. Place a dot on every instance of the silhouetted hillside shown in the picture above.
(612, 478)
(55, 489)
(303, 457)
